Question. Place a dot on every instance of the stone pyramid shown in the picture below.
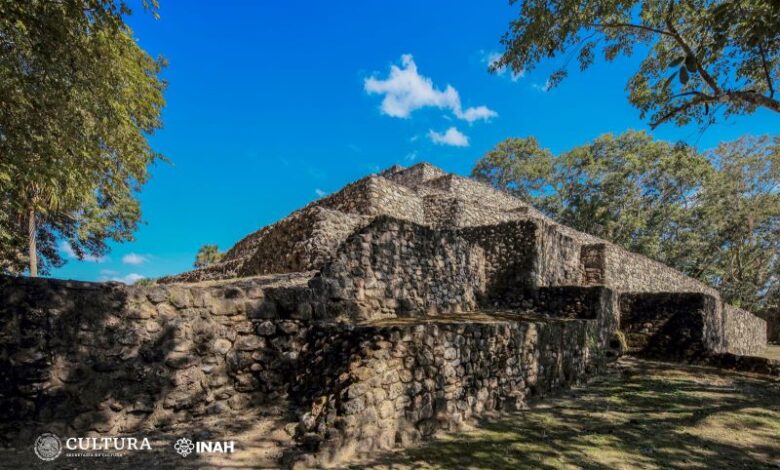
(410, 301)
(419, 241)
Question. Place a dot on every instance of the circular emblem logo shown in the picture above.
(48, 446)
(184, 446)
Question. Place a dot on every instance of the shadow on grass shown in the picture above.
(642, 415)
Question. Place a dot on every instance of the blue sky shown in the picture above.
(267, 107)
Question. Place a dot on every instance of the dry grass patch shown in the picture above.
(645, 415)
(772, 352)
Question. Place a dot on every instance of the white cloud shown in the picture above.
(108, 275)
(451, 136)
(406, 91)
(480, 112)
(543, 88)
(319, 192)
(491, 58)
(134, 258)
(411, 156)
(131, 278)
(68, 250)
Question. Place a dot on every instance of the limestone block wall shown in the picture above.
(630, 272)
(77, 357)
(772, 319)
(376, 195)
(442, 211)
(744, 333)
(414, 176)
(473, 213)
(470, 190)
(301, 242)
(592, 303)
(558, 261)
(397, 268)
(688, 326)
(376, 387)
(109, 358)
(510, 254)
(224, 270)
(669, 326)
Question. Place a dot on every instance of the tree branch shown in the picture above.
(754, 98)
(629, 25)
(689, 52)
(688, 93)
(700, 99)
(766, 71)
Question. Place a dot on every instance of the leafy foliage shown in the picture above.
(208, 255)
(702, 56)
(739, 220)
(714, 216)
(78, 99)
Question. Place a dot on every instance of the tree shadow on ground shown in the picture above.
(641, 415)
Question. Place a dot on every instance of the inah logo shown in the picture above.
(48, 446)
(184, 446)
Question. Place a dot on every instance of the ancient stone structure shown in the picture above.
(410, 301)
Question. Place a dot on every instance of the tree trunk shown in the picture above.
(32, 247)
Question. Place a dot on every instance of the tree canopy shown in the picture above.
(78, 100)
(739, 222)
(702, 58)
(207, 255)
(713, 215)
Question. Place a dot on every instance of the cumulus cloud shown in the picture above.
(319, 192)
(451, 136)
(491, 58)
(543, 88)
(108, 275)
(134, 258)
(474, 114)
(406, 91)
(131, 278)
(68, 250)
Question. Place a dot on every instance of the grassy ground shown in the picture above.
(773, 352)
(645, 415)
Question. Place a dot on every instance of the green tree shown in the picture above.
(633, 191)
(78, 100)
(714, 216)
(519, 166)
(739, 221)
(207, 255)
(629, 189)
(700, 56)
